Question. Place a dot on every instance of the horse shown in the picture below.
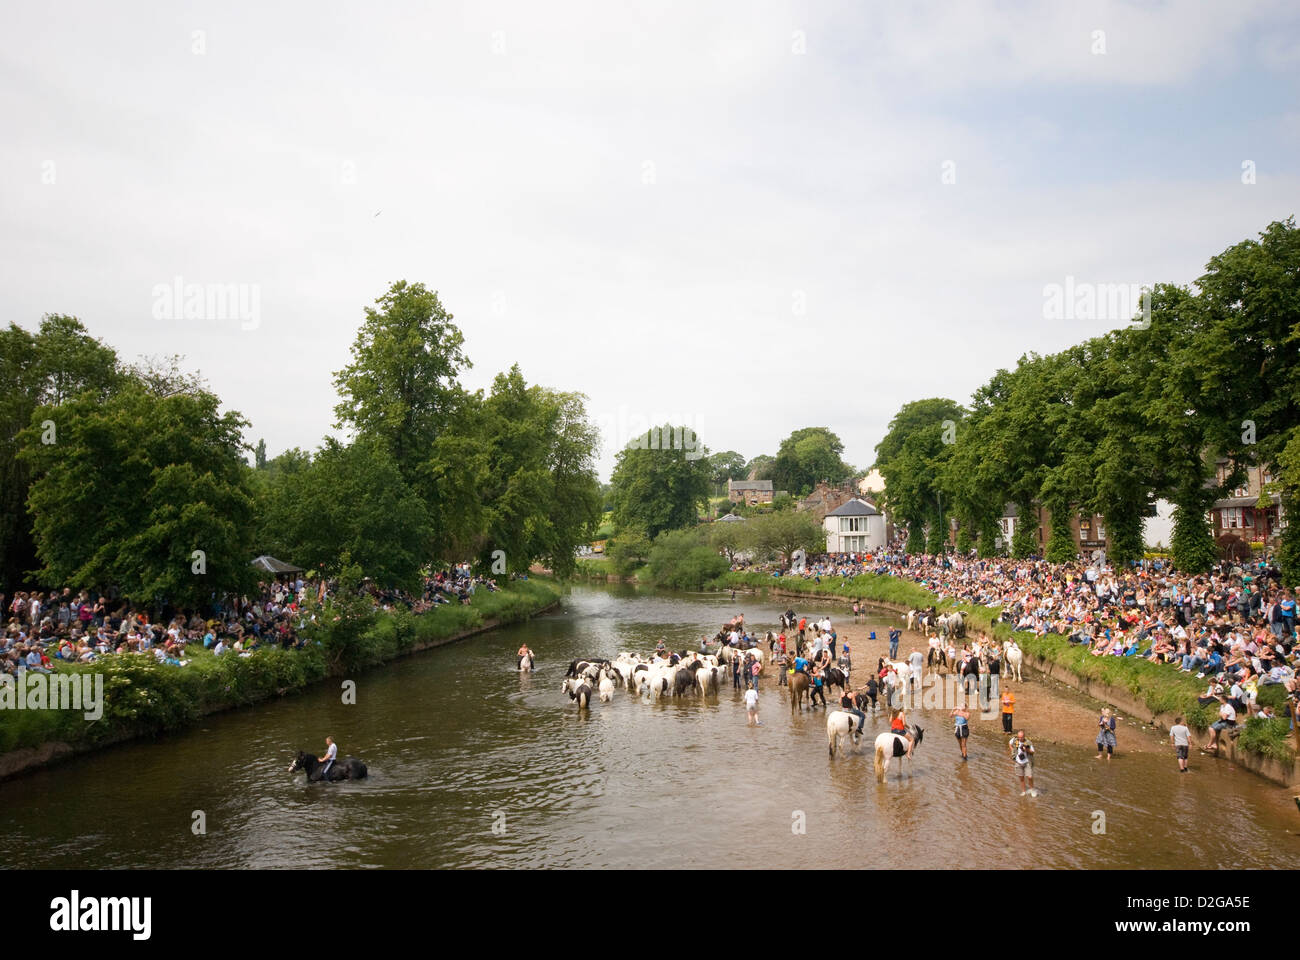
(526, 663)
(835, 677)
(578, 690)
(937, 657)
(889, 745)
(348, 769)
(952, 623)
(788, 622)
(606, 686)
(799, 685)
(838, 724)
(1014, 657)
(969, 668)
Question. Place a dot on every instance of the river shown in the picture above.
(475, 765)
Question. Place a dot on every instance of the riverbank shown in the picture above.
(1153, 693)
(142, 697)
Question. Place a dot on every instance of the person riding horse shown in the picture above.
(898, 726)
(849, 705)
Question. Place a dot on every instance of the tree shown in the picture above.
(401, 386)
(781, 534)
(760, 468)
(540, 495)
(259, 455)
(913, 457)
(46, 369)
(728, 465)
(350, 504)
(658, 489)
(730, 539)
(144, 492)
(807, 457)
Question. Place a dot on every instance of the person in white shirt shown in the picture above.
(751, 707)
(331, 752)
(1227, 721)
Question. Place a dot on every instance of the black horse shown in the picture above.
(349, 769)
(835, 677)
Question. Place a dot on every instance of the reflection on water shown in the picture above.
(459, 743)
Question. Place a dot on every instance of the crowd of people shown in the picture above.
(45, 628)
(1235, 626)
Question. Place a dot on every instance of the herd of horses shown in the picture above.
(702, 674)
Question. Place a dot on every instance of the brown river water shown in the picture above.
(475, 765)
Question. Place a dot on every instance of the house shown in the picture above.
(1088, 530)
(1248, 514)
(752, 492)
(826, 498)
(855, 526)
(730, 518)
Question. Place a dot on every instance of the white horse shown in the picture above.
(1014, 658)
(839, 724)
(606, 687)
(885, 751)
(951, 623)
(526, 663)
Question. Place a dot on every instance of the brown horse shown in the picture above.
(799, 684)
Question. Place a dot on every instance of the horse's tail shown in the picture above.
(830, 738)
(880, 762)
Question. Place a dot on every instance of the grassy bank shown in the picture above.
(602, 568)
(1163, 689)
(143, 697)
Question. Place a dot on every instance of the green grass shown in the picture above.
(142, 696)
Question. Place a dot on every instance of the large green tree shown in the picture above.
(401, 386)
(57, 363)
(146, 493)
(348, 504)
(658, 486)
(807, 457)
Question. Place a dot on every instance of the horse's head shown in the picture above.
(299, 762)
(920, 734)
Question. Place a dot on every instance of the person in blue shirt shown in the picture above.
(800, 665)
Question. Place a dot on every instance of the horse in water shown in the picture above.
(799, 685)
(838, 724)
(348, 769)
(835, 677)
(889, 745)
(526, 663)
(1014, 658)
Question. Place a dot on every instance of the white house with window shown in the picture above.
(854, 527)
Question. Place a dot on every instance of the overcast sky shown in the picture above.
(733, 215)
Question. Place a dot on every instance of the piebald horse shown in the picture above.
(526, 663)
(889, 745)
(839, 724)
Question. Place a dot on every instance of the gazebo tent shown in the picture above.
(269, 564)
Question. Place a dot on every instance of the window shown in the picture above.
(1238, 518)
(1085, 526)
(853, 524)
(1101, 530)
